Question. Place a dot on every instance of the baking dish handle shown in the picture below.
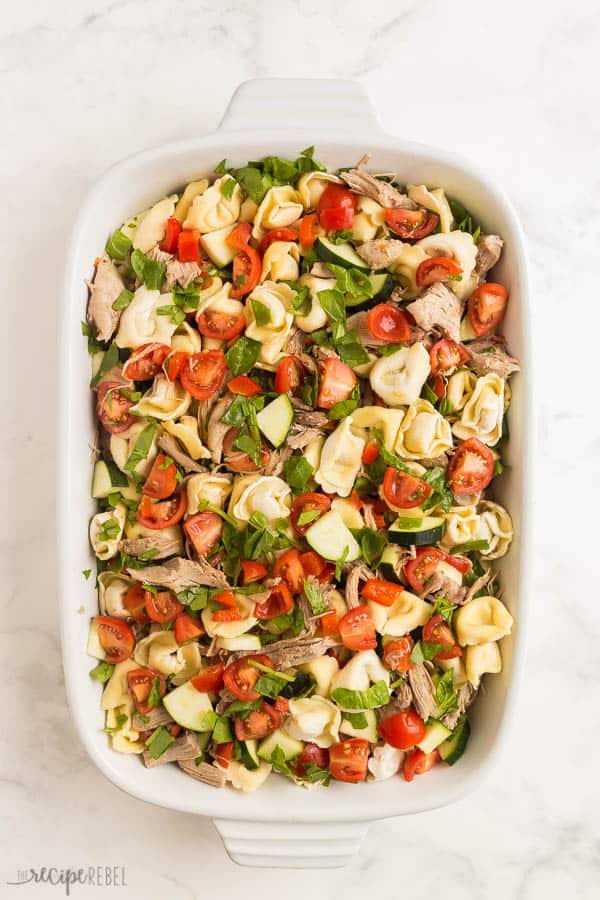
(306, 103)
(284, 845)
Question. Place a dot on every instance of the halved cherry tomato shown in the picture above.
(223, 326)
(240, 236)
(247, 267)
(404, 491)
(438, 386)
(312, 563)
(336, 208)
(289, 567)
(447, 355)
(388, 323)
(282, 705)
(188, 248)
(370, 453)
(226, 615)
(210, 678)
(436, 631)
(258, 724)
(471, 468)
(487, 305)
(162, 480)
(380, 591)
(308, 229)
(411, 224)
(277, 603)
(172, 231)
(348, 760)
(436, 268)
(312, 755)
(357, 629)
(163, 606)
(175, 364)
(239, 677)
(116, 638)
(140, 683)
(396, 654)
(277, 234)
(162, 514)
(135, 603)
(417, 763)
(204, 530)
(336, 382)
(187, 628)
(403, 729)
(306, 503)
(113, 408)
(419, 570)
(224, 753)
(202, 373)
(237, 460)
(330, 624)
(252, 571)
(225, 598)
(244, 386)
(289, 375)
(146, 361)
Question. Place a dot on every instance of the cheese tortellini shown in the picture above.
(112, 590)
(160, 651)
(216, 207)
(314, 719)
(462, 526)
(362, 670)
(317, 317)
(482, 659)
(275, 300)
(164, 400)
(399, 378)
(212, 487)
(312, 184)
(405, 268)
(247, 780)
(189, 655)
(124, 738)
(495, 527)
(140, 322)
(435, 201)
(186, 431)
(462, 248)
(340, 460)
(281, 262)
(116, 691)
(322, 669)
(460, 388)
(482, 620)
(151, 227)
(106, 531)
(369, 221)
(384, 762)
(186, 339)
(405, 614)
(123, 444)
(387, 421)
(266, 494)
(281, 206)
(424, 433)
(483, 412)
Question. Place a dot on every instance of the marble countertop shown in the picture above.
(514, 86)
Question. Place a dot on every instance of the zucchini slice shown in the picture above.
(454, 747)
(340, 255)
(290, 746)
(390, 558)
(383, 285)
(275, 419)
(190, 708)
(416, 533)
(329, 537)
(435, 735)
(248, 754)
(107, 479)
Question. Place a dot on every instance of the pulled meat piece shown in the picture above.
(440, 585)
(185, 747)
(307, 417)
(179, 573)
(477, 585)
(464, 697)
(358, 572)
(182, 273)
(172, 448)
(294, 652)
(438, 307)
(155, 717)
(278, 460)
(216, 429)
(423, 692)
(380, 254)
(300, 436)
(402, 699)
(358, 322)
(162, 544)
(489, 355)
(361, 182)
(296, 341)
(104, 290)
(489, 248)
(205, 772)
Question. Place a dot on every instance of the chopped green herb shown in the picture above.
(318, 603)
(86, 573)
(155, 696)
(262, 313)
(142, 447)
(377, 695)
(425, 651)
(339, 563)
(469, 546)
(120, 719)
(227, 188)
(159, 741)
(102, 672)
(357, 720)
(109, 360)
(344, 407)
(297, 472)
(444, 608)
(243, 355)
(123, 300)
(118, 245)
(445, 695)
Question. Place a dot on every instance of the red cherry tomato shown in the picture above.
(309, 226)
(312, 755)
(188, 248)
(336, 382)
(172, 231)
(404, 491)
(336, 208)
(162, 514)
(396, 654)
(175, 363)
(187, 628)
(436, 631)
(471, 468)
(204, 530)
(222, 326)
(116, 638)
(306, 503)
(237, 460)
(258, 724)
(419, 570)
(357, 629)
(411, 224)
(388, 323)
(436, 268)
(135, 603)
(277, 603)
(289, 375)
(312, 563)
(289, 567)
(438, 386)
(162, 480)
(348, 760)
(239, 677)
(113, 408)
(380, 591)
(244, 386)
(447, 355)
(224, 753)
(226, 615)
(277, 234)
(146, 361)
(163, 606)
(252, 571)
(240, 236)
(417, 763)
(330, 623)
(247, 267)
(339, 219)
(370, 453)
(403, 729)
(487, 305)
(140, 683)
(202, 373)
(210, 678)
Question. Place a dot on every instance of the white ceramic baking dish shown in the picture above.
(281, 825)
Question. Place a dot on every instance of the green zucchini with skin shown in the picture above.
(340, 255)
(418, 532)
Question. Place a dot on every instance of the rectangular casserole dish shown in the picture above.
(282, 825)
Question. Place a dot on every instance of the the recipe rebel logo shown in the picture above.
(92, 876)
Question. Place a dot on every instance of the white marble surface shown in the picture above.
(514, 85)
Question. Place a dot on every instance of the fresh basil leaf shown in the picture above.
(355, 285)
(253, 182)
(281, 170)
(118, 245)
(309, 390)
(142, 447)
(279, 763)
(428, 394)
(350, 349)
(109, 360)
(155, 696)
(123, 300)
(242, 708)
(445, 695)
(303, 685)
(102, 672)
(86, 573)
(344, 407)
(340, 237)
(308, 515)
(372, 544)
(377, 695)
(159, 741)
(302, 302)
(262, 313)
(444, 608)
(318, 603)
(243, 355)
(268, 686)
(222, 731)
(425, 651)
(339, 563)
(297, 472)
(357, 720)
(332, 302)
(121, 718)
(109, 530)
(227, 188)
(469, 546)
(314, 774)
(174, 312)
